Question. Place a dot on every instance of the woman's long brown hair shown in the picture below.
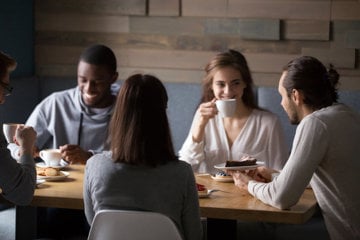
(139, 129)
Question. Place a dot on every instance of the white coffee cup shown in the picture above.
(51, 157)
(226, 107)
(9, 130)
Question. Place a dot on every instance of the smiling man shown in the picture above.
(76, 120)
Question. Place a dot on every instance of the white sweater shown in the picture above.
(262, 137)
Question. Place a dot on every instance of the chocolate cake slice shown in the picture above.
(248, 161)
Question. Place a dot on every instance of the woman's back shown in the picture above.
(167, 189)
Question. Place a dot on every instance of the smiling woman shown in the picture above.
(213, 139)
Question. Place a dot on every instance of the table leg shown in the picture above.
(221, 229)
(25, 221)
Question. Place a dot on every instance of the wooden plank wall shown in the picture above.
(174, 39)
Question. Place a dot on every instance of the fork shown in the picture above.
(215, 190)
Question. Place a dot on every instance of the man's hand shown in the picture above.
(74, 154)
(241, 179)
(260, 174)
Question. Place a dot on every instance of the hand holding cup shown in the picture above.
(9, 130)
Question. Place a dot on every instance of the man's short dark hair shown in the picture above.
(100, 55)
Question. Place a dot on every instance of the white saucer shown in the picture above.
(62, 165)
(62, 176)
(39, 181)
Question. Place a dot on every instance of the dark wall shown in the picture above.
(17, 34)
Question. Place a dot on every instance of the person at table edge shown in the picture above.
(326, 150)
(17, 179)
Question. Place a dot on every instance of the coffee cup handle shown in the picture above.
(41, 153)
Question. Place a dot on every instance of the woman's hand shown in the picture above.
(205, 111)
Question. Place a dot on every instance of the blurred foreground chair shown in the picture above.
(131, 225)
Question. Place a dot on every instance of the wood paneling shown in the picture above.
(317, 9)
(339, 57)
(164, 26)
(204, 8)
(164, 8)
(342, 31)
(352, 39)
(108, 7)
(174, 39)
(255, 29)
(345, 11)
(307, 30)
(81, 23)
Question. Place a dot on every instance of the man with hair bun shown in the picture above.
(325, 150)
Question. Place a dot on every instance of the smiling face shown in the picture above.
(227, 83)
(287, 102)
(94, 82)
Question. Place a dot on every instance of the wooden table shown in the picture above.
(230, 203)
(234, 203)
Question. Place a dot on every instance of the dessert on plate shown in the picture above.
(244, 161)
(48, 171)
(202, 190)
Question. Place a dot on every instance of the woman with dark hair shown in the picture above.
(251, 131)
(142, 172)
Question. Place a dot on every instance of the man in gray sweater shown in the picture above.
(325, 150)
(76, 120)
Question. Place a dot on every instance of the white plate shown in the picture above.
(62, 176)
(39, 181)
(223, 178)
(62, 165)
(221, 166)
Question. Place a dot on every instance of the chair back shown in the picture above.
(132, 225)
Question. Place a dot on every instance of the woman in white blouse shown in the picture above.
(250, 131)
